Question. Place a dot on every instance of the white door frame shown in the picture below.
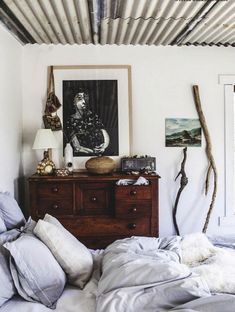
(229, 213)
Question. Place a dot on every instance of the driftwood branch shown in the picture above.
(183, 183)
(211, 161)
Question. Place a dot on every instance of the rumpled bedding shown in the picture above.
(146, 274)
(142, 274)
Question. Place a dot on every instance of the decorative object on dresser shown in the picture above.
(94, 208)
(62, 172)
(68, 157)
(141, 164)
(100, 165)
(45, 140)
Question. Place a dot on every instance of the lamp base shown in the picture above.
(46, 166)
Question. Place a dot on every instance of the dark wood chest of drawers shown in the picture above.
(94, 208)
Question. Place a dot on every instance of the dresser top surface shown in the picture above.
(86, 176)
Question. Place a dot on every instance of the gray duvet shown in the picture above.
(142, 274)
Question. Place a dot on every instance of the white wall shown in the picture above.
(10, 112)
(162, 88)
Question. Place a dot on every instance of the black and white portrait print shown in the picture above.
(90, 116)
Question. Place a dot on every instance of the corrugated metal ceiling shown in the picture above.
(135, 22)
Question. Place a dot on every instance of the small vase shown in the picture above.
(68, 157)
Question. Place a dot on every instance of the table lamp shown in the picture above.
(45, 140)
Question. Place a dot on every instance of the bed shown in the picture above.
(50, 269)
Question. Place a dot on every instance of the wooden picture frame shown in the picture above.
(97, 75)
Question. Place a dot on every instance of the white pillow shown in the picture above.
(75, 259)
(52, 220)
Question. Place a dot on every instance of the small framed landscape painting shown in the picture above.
(181, 132)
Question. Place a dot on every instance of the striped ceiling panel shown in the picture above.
(128, 22)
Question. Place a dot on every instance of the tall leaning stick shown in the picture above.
(211, 161)
(183, 183)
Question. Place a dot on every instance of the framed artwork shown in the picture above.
(96, 108)
(90, 116)
(181, 132)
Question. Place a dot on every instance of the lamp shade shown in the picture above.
(45, 139)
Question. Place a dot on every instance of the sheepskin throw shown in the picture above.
(216, 265)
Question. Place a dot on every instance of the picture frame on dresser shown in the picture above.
(69, 79)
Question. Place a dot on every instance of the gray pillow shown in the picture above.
(2, 226)
(37, 275)
(10, 212)
(7, 289)
(9, 236)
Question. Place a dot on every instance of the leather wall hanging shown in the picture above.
(50, 118)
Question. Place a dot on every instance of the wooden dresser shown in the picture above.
(94, 208)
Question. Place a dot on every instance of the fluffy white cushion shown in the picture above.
(219, 271)
(75, 259)
(196, 248)
(215, 265)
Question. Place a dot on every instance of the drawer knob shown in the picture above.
(133, 192)
(134, 209)
(132, 226)
(55, 206)
(93, 199)
(55, 189)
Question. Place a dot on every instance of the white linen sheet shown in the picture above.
(72, 300)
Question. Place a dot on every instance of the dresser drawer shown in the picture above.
(55, 206)
(107, 226)
(133, 209)
(133, 192)
(54, 198)
(94, 199)
(54, 190)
